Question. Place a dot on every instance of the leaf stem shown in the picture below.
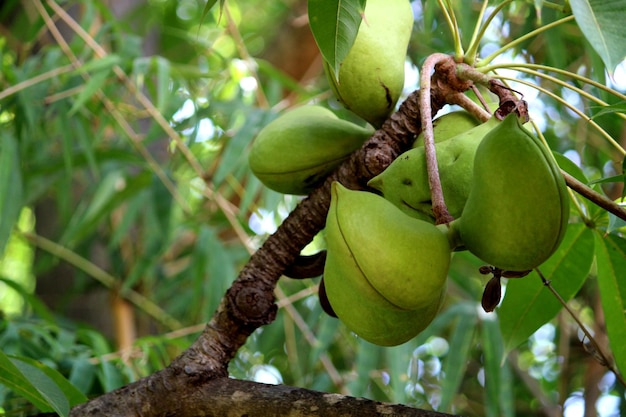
(479, 31)
(607, 362)
(603, 132)
(487, 60)
(528, 68)
(440, 210)
(448, 13)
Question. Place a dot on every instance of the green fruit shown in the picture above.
(517, 210)
(385, 273)
(405, 181)
(297, 150)
(371, 77)
(448, 126)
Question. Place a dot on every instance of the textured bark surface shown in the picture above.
(225, 397)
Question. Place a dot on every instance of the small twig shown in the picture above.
(440, 210)
(596, 348)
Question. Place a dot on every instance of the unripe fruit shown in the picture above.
(371, 77)
(297, 150)
(405, 181)
(448, 126)
(385, 273)
(517, 210)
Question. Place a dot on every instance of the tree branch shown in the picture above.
(230, 397)
(249, 303)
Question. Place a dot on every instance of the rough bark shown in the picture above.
(225, 397)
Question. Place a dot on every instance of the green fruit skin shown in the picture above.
(294, 152)
(385, 272)
(405, 181)
(518, 207)
(371, 77)
(448, 126)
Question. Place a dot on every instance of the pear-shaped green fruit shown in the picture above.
(448, 126)
(517, 210)
(297, 150)
(405, 181)
(385, 273)
(371, 77)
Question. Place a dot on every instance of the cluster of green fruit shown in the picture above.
(311, 140)
(387, 262)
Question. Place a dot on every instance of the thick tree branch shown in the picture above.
(249, 303)
(225, 397)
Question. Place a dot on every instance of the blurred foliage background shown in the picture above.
(127, 206)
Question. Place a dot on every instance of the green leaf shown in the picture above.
(10, 187)
(613, 108)
(98, 64)
(209, 5)
(611, 261)
(59, 392)
(528, 305)
(570, 167)
(499, 399)
(335, 24)
(96, 81)
(456, 361)
(12, 377)
(602, 23)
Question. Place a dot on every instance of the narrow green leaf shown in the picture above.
(98, 64)
(208, 6)
(602, 23)
(10, 187)
(55, 387)
(570, 167)
(456, 361)
(615, 178)
(162, 82)
(12, 378)
(611, 260)
(335, 24)
(83, 374)
(527, 304)
(619, 107)
(96, 81)
(499, 400)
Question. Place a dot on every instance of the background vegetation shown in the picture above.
(127, 208)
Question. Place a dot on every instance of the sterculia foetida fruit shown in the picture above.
(405, 181)
(299, 148)
(448, 126)
(371, 77)
(518, 206)
(385, 273)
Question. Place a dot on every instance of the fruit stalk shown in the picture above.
(439, 205)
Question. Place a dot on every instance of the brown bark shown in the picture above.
(225, 397)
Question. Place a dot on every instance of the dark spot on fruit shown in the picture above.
(387, 96)
(407, 181)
